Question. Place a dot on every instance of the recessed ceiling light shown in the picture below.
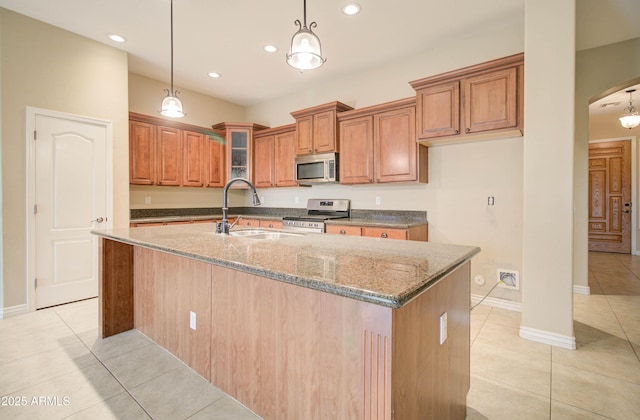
(270, 48)
(117, 38)
(351, 9)
(214, 75)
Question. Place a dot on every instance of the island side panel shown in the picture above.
(289, 352)
(167, 289)
(431, 380)
(115, 270)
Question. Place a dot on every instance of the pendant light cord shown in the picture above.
(304, 12)
(172, 94)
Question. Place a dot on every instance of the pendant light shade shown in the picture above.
(171, 105)
(630, 119)
(306, 51)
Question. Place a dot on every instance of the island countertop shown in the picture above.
(386, 272)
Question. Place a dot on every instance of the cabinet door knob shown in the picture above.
(457, 131)
(342, 232)
(384, 235)
(248, 223)
(270, 225)
(467, 129)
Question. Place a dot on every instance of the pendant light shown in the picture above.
(306, 52)
(630, 119)
(171, 104)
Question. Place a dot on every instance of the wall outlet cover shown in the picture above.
(508, 279)
(192, 320)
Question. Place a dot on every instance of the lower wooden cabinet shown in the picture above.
(344, 230)
(248, 222)
(273, 224)
(385, 233)
(414, 233)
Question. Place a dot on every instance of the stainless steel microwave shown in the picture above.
(318, 168)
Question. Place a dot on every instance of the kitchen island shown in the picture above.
(308, 326)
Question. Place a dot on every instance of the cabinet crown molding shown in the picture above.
(370, 110)
(335, 105)
(497, 64)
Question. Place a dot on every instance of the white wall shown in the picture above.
(595, 75)
(145, 95)
(46, 67)
(461, 176)
(547, 298)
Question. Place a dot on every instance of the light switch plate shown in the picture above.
(443, 327)
(192, 320)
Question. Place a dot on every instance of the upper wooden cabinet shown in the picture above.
(163, 152)
(264, 162)
(214, 164)
(475, 102)
(169, 156)
(193, 158)
(317, 130)
(274, 156)
(142, 153)
(379, 145)
(356, 157)
(239, 149)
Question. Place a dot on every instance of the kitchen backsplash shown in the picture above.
(374, 215)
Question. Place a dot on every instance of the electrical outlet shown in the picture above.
(192, 320)
(491, 201)
(479, 280)
(508, 279)
(147, 200)
(443, 327)
(296, 200)
(378, 201)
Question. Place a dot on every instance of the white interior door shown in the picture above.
(70, 158)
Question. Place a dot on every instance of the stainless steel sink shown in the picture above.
(262, 234)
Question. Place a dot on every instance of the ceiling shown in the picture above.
(228, 36)
(615, 103)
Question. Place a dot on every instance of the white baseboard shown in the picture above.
(546, 337)
(581, 290)
(497, 303)
(13, 310)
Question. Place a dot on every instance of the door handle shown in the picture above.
(98, 220)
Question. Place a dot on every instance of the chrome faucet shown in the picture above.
(224, 227)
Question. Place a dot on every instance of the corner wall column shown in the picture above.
(547, 287)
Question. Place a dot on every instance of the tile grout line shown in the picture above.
(107, 369)
(633, 349)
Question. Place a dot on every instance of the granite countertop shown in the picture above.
(386, 272)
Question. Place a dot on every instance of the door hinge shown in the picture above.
(35, 283)
(35, 135)
(35, 209)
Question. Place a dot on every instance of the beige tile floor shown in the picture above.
(55, 356)
(513, 378)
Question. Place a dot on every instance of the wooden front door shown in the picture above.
(610, 196)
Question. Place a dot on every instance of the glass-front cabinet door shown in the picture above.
(239, 154)
(239, 149)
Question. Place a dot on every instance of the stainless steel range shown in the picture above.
(318, 210)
